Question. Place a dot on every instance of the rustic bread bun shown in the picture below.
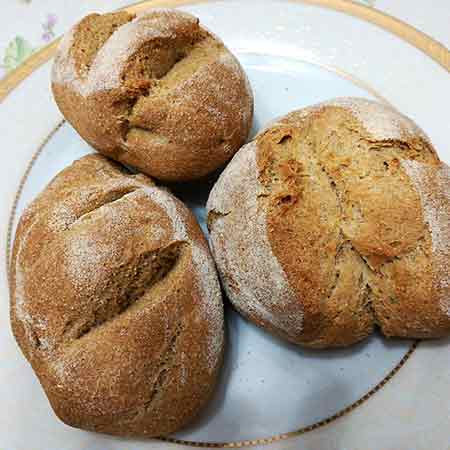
(115, 301)
(156, 91)
(333, 220)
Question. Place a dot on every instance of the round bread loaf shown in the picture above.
(157, 91)
(115, 301)
(335, 219)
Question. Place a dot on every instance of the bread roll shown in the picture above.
(157, 92)
(115, 302)
(336, 219)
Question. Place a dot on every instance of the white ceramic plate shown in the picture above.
(379, 394)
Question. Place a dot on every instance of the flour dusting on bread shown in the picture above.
(109, 62)
(212, 310)
(381, 121)
(63, 70)
(20, 304)
(252, 276)
(433, 186)
(205, 275)
(229, 62)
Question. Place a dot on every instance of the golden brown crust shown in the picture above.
(157, 91)
(115, 301)
(345, 223)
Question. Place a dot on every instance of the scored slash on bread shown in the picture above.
(433, 186)
(344, 227)
(156, 91)
(115, 301)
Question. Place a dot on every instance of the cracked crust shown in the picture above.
(347, 224)
(156, 91)
(115, 301)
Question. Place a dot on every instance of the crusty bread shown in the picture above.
(336, 218)
(158, 92)
(115, 301)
